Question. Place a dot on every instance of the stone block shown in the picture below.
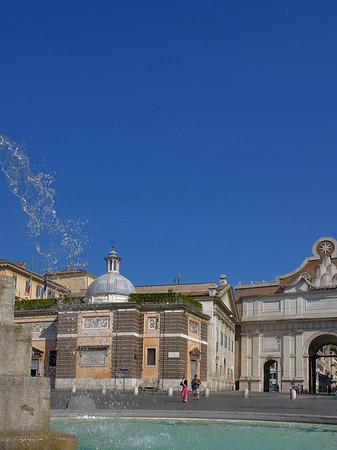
(15, 349)
(24, 404)
(39, 441)
(7, 300)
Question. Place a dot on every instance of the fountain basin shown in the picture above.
(190, 434)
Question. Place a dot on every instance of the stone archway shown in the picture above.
(322, 348)
(270, 376)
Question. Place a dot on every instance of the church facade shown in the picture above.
(115, 338)
(287, 329)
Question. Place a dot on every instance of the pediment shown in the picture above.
(227, 297)
(325, 278)
(195, 352)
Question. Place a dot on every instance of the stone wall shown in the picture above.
(24, 401)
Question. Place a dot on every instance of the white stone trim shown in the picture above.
(65, 335)
(126, 333)
(184, 336)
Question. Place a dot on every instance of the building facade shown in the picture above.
(21, 276)
(286, 325)
(117, 339)
(218, 304)
(76, 281)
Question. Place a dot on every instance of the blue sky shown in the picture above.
(201, 136)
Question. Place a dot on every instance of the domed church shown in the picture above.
(121, 337)
(111, 287)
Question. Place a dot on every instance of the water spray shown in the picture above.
(55, 239)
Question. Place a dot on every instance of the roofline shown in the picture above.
(278, 278)
(72, 271)
(174, 284)
(36, 276)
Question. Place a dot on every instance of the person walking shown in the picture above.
(196, 388)
(184, 391)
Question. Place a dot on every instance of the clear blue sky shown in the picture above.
(199, 135)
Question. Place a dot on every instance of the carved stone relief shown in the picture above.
(96, 322)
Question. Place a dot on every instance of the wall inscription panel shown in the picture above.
(270, 343)
(273, 306)
(93, 357)
(95, 322)
(321, 303)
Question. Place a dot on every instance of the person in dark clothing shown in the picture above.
(196, 388)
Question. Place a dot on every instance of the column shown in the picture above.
(256, 381)
(299, 356)
(286, 379)
(244, 369)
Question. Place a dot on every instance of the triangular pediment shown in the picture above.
(227, 297)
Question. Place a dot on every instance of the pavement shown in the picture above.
(219, 405)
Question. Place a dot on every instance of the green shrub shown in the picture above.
(46, 303)
(165, 297)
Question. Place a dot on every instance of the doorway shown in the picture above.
(194, 362)
(35, 363)
(323, 365)
(270, 379)
(193, 368)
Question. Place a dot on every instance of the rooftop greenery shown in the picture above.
(47, 303)
(56, 303)
(165, 297)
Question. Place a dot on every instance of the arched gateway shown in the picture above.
(292, 321)
(271, 376)
(323, 364)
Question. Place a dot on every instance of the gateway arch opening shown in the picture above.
(271, 377)
(323, 364)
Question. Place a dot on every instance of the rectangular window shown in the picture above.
(52, 358)
(232, 346)
(225, 340)
(39, 291)
(152, 323)
(151, 357)
(221, 338)
(93, 356)
(34, 367)
(15, 280)
(51, 294)
(229, 343)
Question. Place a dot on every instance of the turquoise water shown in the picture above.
(196, 434)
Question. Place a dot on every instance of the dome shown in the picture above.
(112, 286)
(111, 283)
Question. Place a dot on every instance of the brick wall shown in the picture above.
(127, 350)
(173, 323)
(203, 349)
(66, 345)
